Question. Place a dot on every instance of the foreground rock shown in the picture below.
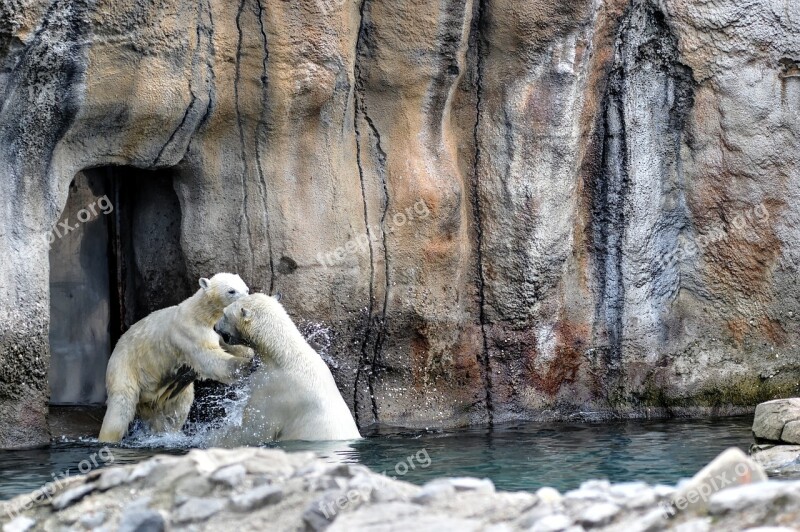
(776, 429)
(258, 489)
(730, 469)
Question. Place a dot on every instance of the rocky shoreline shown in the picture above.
(256, 489)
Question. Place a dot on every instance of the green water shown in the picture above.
(521, 456)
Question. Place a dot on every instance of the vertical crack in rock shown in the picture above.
(382, 172)
(449, 39)
(609, 194)
(211, 77)
(164, 157)
(648, 96)
(364, 359)
(476, 206)
(237, 77)
(260, 133)
(361, 110)
(189, 108)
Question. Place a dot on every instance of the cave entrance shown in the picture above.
(115, 257)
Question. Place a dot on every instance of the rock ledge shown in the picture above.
(257, 489)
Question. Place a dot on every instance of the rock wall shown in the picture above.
(500, 209)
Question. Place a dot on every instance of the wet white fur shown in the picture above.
(292, 394)
(153, 348)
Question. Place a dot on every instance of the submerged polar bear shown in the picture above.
(292, 394)
(156, 352)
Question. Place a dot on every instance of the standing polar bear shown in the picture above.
(292, 393)
(156, 352)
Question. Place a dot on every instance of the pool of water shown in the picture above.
(519, 456)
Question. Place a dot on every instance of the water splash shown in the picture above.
(320, 338)
(231, 400)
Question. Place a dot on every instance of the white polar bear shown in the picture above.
(175, 343)
(292, 393)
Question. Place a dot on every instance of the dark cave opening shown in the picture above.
(115, 257)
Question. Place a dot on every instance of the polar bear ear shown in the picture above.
(278, 296)
(246, 314)
(204, 283)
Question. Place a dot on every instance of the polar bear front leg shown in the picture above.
(216, 364)
(241, 351)
(208, 359)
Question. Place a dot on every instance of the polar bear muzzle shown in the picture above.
(229, 333)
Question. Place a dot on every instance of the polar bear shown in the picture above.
(292, 393)
(172, 344)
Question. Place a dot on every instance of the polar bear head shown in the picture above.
(253, 319)
(224, 288)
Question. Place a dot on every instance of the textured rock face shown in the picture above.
(500, 209)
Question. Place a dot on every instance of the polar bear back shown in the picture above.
(286, 406)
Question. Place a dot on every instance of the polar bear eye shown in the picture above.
(231, 292)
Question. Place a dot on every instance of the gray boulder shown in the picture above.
(778, 460)
(771, 418)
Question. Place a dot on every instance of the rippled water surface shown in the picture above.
(515, 456)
